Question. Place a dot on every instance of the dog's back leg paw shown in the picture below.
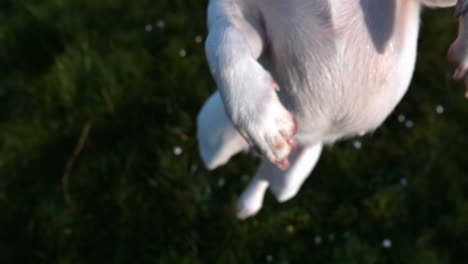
(218, 139)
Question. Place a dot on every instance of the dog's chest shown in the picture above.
(343, 65)
(314, 32)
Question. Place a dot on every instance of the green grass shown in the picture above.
(66, 64)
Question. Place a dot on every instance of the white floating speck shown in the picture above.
(269, 258)
(177, 150)
(198, 39)
(318, 240)
(409, 124)
(182, 53)
(160, 23)
(403, 181)
(439, 109)
(401, 118)
(148, 28)
(357, 144)
(386, 243)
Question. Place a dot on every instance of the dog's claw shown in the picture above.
(283, 164)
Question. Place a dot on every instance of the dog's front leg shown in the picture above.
(234, 44)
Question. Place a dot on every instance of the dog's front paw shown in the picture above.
(272, 133)
(267, 125)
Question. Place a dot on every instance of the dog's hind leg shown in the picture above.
(218, 139)
(283, 184)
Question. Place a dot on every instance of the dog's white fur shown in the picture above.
(311, 71)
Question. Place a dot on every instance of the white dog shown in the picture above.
(293, 75)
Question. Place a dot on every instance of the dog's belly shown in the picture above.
(342, 65)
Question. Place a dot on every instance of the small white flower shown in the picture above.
(357, 144)
(409, 124)
(177, 150)
(386, 243)
(198, 39)
(148, 28)
(403, 181)
(317, 240)
(182, 53)
(401, 118)
(439, 109)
